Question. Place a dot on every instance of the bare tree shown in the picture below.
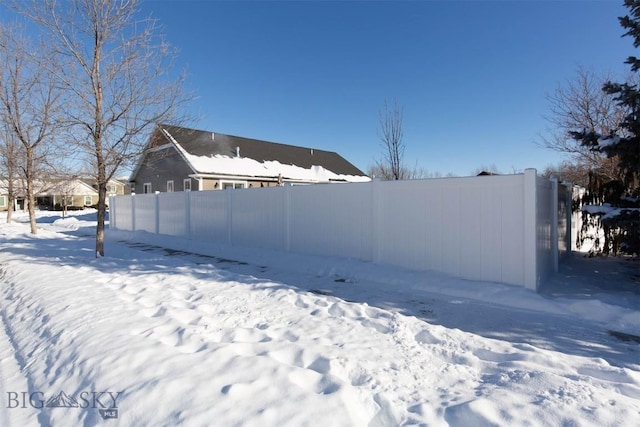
(381, 170)
(117, 76)
(30, 102)
(567, 172)
(581, 105)
(11, 157)
(390, 133)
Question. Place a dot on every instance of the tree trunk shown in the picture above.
(11, 198)
(102, 200)
(31, 202)
(102, 207)
(10, 202)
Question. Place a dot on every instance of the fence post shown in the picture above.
(287, 217)
(133, 212)
(569, 213)
(187, 213)
(530, 230)
(112, 213)
(376, 243)
(229, 214)
(157, 211)
(554, 224)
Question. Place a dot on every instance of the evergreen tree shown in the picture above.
(619, 199)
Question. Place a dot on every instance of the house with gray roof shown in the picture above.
(182, 159)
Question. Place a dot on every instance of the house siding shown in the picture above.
(162, 166)
(209, 184)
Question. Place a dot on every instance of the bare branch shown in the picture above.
(30, 107)
(390, 135)
(581, 106)
(117, 77)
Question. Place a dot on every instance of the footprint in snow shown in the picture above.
(154, 311)
(178, 337)
(425, 337)
(300, 303)
(146, 302)
(380, 327)
(321, 303)
(185, 316)
(336, 311)
(244, 335)
(316, 382)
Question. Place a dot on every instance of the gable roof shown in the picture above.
(216, 153)
(51, 186)
(74, 186)
(92, 182)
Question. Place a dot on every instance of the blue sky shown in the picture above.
(471, 75)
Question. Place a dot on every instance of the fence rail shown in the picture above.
(510, 229)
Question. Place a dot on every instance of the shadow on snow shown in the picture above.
(566, 334)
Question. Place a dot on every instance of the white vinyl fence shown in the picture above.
(510, 229)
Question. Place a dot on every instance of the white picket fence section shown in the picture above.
(508, 229)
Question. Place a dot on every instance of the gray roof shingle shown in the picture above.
(204, 143)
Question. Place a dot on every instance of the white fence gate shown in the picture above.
(510, 229)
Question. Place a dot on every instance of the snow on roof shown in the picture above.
(74, 186)
(238, 156)
(225, 165)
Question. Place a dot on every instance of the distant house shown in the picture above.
(181, 159)
(19, 193)
(58, 193)
(4, 194)
(115, 187)
(71, 193)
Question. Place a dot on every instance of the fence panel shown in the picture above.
(545, 241)
(124, 220)
(209, 215)
(458, 226)
(564, 220)
(512, 231)
(403, 232)
(172, 214)
(145, 212)
(490, 228)
(258, 217)
(331, 220)
(472, 194)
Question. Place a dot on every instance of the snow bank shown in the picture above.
(169, 338)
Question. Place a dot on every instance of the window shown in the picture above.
(111, 189)
(186, 184)
(170, 186)
(88, 201)
(3, 201)
(146, 187)
(232, 184)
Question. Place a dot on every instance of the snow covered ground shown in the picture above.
(155, 335)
